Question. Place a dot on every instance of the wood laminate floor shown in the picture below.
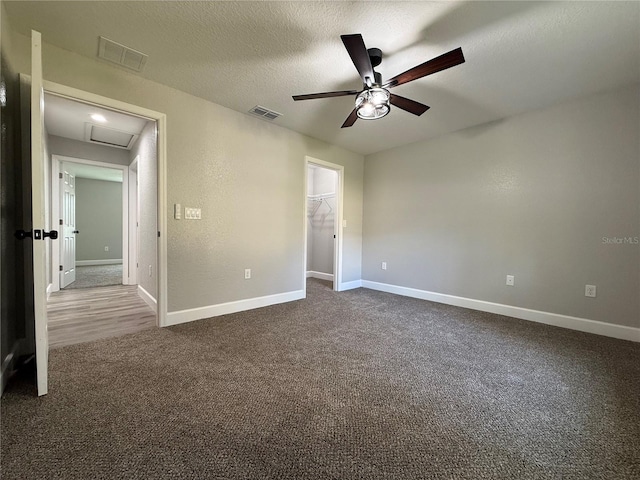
(88, 314)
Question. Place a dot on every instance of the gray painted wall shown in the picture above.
(146, 149)
(245, 174)
(98, 219)
(87, 151)
(321, 226)
(532, 196)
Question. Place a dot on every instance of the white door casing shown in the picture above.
(68, 217)
(161, 119)
(59, 164)
(38, 214)
(133, 221)
(339, 222)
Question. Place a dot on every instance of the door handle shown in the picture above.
(76, 231)
(36, 234)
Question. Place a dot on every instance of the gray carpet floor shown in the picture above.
(356, 385)
(89, 276)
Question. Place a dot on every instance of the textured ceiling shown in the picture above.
(519, 55)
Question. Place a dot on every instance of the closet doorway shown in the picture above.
(323, 221)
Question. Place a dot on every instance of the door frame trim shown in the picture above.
(161, 126)
(56, 210)
(134, 215)
(337, 254)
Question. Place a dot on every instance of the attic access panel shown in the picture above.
(109, 136)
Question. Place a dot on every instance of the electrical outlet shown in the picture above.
(177, 211)
(247, 273)
(589, 290)
(511, 280)
(384, 265)
(106, 249)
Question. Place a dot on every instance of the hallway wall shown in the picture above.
(99, 220)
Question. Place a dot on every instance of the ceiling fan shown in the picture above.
(374, 100)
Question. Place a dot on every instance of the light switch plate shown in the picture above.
(177, 211)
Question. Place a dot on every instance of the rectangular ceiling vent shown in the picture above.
(264, 113)
(122, 55)
(109, 136)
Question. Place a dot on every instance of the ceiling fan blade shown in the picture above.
(351, 119)
(311, 96)
(447, 60)
(408, 105)
(359, 55)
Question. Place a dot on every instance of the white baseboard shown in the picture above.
(108, 261)
(183, 316)
(558, 320)
(49, 290)
(148, 298)
(320, 275)
(350, 285)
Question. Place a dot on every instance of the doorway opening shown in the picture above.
(89, 199)
(323, 221)
(104, 172)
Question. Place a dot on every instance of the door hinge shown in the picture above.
(60, 175)
(61, 268)
(61, 223)
(158, 234)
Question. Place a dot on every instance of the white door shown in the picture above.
(38, 214)
(68, 244)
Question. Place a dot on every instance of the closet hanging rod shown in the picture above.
(322, 195)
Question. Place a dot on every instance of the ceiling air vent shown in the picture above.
(264, 113)
(109, 136)
(121, 55)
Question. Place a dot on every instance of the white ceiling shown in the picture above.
(519, 55)
(67, 118)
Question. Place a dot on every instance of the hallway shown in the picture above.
(88, 314)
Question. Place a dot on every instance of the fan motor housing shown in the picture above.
(375, 55)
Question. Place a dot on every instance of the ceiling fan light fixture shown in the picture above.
(373, 103)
